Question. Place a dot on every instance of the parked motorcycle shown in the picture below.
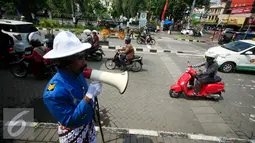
(96, 55)
(210, 90)
(135, 64)
(146, 40)
(23, 67)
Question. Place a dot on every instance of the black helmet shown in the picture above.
(127, 40)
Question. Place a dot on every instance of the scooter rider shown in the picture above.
(38, 52)
(89, 38)
(67, 95)
(209, 75)
(95, 44)
(127, 52)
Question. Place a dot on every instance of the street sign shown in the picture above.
(251, 19)
(143, 19)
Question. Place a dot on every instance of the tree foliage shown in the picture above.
(175, 8)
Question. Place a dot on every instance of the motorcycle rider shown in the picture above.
(209, 75)
(93, 39)
(95, 42)
(127, 52)
(38, 52)
(89, 38)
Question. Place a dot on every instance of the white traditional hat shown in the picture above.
(66, 44)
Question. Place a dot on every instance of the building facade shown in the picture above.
(216, 9)
(237, 12)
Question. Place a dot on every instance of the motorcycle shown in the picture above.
(146, 40)
(23, 67)
(135, 64)
(210, 90)
(96, 55)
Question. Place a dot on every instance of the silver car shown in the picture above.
(19, 31)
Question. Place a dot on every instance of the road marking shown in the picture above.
(193, 55)
(155, 133)
(148, 46)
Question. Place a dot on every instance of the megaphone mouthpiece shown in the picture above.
(118, 80)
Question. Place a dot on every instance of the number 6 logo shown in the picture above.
(14, 122)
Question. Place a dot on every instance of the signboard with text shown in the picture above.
(240, 10)
(241, 6)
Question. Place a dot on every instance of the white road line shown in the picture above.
(148, 46)
(152, 133)
(183, 54)
(143, 132)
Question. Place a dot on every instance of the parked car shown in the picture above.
(229, 36)
(192, 32)
(237, 55)
(151, 27)
(19, 31)
(187, 31)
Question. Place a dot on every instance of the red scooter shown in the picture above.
(210, 90)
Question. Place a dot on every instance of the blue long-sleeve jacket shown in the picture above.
(63, 97)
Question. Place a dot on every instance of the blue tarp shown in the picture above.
(168, 22)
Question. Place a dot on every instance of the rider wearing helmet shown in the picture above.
(127, 52)
(89, 39)
(94, 43)
(37, 54)
(210, 73)
(67, 95)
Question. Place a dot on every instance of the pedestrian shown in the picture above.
(67, 95)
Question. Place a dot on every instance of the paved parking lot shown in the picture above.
(146, 103)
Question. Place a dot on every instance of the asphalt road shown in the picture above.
(146, 103)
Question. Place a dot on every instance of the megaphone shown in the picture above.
(118, 80)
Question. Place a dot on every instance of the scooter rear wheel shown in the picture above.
(174, 94)
(19, 70)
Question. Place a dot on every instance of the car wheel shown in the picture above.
(227, 67)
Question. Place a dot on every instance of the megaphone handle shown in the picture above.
(98, 117)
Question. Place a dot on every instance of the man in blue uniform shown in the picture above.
(67, 95)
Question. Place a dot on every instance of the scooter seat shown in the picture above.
(216, 80)
(136, 57)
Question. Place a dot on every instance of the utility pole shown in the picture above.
(190, 14)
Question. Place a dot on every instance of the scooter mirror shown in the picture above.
(188, 63)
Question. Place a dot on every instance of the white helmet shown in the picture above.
(95, 31)
(87, 32)
(34, 36)
(211, 55)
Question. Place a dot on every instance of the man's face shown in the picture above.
(78, 64)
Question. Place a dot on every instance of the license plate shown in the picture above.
(28, 53)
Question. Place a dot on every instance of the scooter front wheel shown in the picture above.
(174, 94)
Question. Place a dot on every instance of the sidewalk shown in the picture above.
(47, 133)
(206, 38)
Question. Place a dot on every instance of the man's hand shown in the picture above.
(95, 88)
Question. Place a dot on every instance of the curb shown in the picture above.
(39, 28)
(198, 41)
(149, 50)
(192, 136)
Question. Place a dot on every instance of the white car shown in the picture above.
(19, 31)
(187, 32)
(237, 55)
